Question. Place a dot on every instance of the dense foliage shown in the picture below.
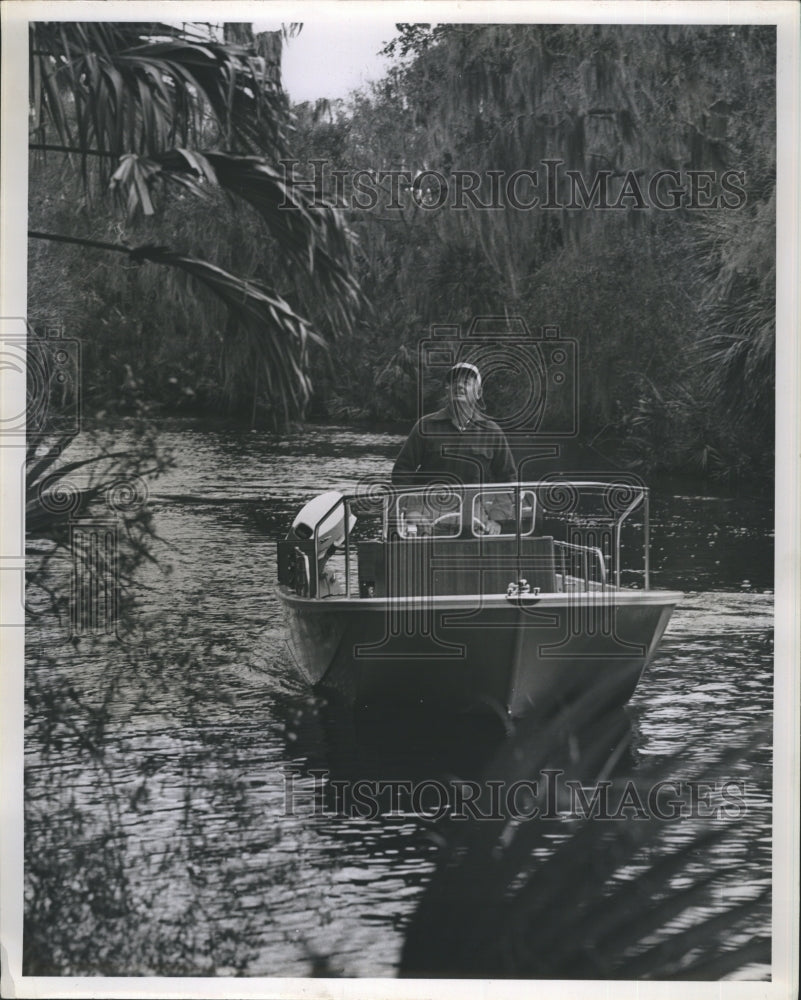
(159, 118)
(672, 308)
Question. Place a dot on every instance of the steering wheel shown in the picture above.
(451, 515)
(478, 523)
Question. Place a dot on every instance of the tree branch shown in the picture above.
(79, 241)
(50, 148)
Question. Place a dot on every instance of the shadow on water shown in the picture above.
(350, 744)
(561, 851)
(571, 865)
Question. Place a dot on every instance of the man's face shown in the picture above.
(463, 396)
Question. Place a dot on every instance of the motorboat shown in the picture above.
(509, 597)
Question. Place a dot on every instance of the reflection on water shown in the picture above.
(219, 790)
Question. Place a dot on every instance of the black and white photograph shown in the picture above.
(400, 499)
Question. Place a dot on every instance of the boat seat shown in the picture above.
(439, 566)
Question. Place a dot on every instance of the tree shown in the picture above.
(628, 100)
(671, 305)
(145, 111)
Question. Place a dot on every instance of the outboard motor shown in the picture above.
(331, 532)
(332, 527)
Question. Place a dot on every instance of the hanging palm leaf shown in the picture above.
(306, 229)
(277, 338)
(111, 88)
(133, 103)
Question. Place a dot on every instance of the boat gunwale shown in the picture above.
(551, 599)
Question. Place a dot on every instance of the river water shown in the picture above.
(204, 787)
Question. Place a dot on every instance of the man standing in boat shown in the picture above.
(458, 444)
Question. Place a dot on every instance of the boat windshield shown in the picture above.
(499, 506)
(446, 513)
(429, 512)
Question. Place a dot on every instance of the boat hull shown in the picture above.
(466, 653)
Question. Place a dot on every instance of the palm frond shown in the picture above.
(135, 103)
(735, 254)
(309, 232)
(118, 88)
(61, 495)
(278, 338)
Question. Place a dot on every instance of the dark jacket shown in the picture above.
(435, 449)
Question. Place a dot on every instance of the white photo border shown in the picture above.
(13, 308)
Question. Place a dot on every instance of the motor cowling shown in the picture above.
(328, 512)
